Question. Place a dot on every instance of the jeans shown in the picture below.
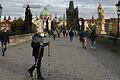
(84, 42)
(93, 44)
(71, 38)
(4, 46)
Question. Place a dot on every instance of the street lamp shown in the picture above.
(118, 13)
(0, 11)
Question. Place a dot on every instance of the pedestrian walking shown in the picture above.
(4, 37)
(54, 34)
(75, 32)
(58, 33)
(67, 32)
(83, 38)
(38, 51)
(93, 37)
(64, 33)
(71, 35)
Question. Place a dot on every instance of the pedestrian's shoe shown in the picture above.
(91, 47)
(5, 49)
(30, 72)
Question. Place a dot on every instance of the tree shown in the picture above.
(34, 28)
(91, 28)
(28, 20)
(17, 27)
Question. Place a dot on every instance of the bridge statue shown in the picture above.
(101, 20)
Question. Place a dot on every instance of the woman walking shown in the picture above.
(93, 37)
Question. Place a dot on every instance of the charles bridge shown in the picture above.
(68, 60)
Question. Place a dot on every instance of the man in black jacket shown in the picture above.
(71, 34)
(38, 50)
(4, 37)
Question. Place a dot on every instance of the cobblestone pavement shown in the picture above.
(69, 61)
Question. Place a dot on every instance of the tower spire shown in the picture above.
(71, 5)
(55, 15)
(92, 17)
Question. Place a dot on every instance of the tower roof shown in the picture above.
(92, 17)
(71, 5)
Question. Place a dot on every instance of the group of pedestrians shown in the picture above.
(92, 36)
(65, 32)
(71, 33)
(38, 45)
(56, 33)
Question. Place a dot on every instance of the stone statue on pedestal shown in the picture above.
(101, 20)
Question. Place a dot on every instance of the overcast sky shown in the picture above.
(15, 8)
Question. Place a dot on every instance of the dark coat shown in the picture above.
(71, 33)
(36, 46)
(4, 37)
(93, 36)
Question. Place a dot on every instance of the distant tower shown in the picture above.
(92, 20)
(56, 17)
(92, 17)
(72, 16)
(4, 17)
(9, 18)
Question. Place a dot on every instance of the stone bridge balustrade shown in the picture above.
(19, 39)
(110, 42)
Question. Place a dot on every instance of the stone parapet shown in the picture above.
(19, 39)
(110, 42)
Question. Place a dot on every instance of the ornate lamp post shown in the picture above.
(118, 13)
(0, 11)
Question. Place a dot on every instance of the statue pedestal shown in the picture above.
(103, 33)
(103, 29)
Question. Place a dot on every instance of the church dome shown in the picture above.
(45, 12)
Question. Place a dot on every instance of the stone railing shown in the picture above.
(20, 39)
(109, 42)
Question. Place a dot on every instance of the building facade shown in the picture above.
(6, 23)
(43, 22)
(72, 16)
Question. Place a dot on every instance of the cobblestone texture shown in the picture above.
(69, 61)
